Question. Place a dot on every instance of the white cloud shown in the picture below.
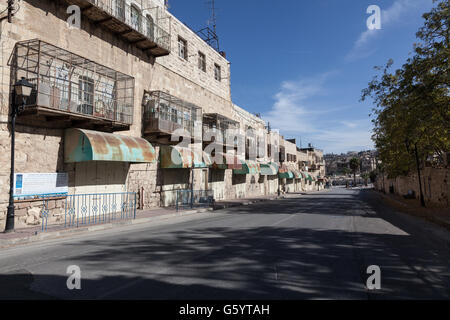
(293, 114)
(391, 16)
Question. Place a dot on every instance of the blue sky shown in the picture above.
(302, 64)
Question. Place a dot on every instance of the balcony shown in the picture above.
(166, 115)
(71, 91)
(148, 32)
(220, 130)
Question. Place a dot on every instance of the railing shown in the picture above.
(134, 18)
(168, 122)
(194, 199)
(88, 209)
(167, 114)
(54, 94)
(69, 83)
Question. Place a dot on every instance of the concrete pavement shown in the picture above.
(57, 231)
(315, 246)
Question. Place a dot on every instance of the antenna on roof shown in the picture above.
(213, 18)
(208, 34)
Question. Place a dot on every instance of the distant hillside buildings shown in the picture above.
(339, 164)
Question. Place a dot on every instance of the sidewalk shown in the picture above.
(35, 234)
(440, 216)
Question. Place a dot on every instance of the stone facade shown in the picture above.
(41, 150)
(435, 186)
(312, 161)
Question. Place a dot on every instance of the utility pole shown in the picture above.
(213, 15)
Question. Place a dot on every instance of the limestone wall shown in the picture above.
(435, 186)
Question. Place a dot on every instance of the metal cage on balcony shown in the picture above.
(72, 86)
(140, 22)
(220, 129)
(164, 114)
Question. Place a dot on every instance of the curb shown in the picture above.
(429, 218)
(246, 203)
(82, 230)
(108, 226)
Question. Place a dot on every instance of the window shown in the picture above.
(135, 18)
(201, 61)
(217, 73)
(119, 9)
(182, 48)
(282, 154)
(150, 27)
(86, 95)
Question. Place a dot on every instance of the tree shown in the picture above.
(354, 166)
(373, 176)
(346, 171)
(366, 177)
(411, 104)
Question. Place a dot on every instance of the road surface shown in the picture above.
(315, 246)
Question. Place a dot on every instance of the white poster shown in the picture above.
(38, 184)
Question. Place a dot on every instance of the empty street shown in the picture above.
(314, 246)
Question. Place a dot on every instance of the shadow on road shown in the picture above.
(267, 262)
(217, 263)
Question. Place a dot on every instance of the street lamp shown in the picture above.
(22, 89)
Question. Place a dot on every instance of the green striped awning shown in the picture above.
(86, 145)
(180, 158)
(269, 169)
(286, 175)
(297, 174)
(308, 177)
(226, 161)
(207, 160)
(248, 167)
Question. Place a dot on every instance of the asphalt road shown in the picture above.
(315, 246)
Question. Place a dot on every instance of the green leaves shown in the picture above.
(413, 103)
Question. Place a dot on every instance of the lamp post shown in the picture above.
(22, 89)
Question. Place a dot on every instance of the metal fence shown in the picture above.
(88, 209)
(155, 24)
(189, 199)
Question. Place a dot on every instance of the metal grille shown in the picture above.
(224, 129)
(88, 209)
(150, 20)
(166, 113)
(68, 82)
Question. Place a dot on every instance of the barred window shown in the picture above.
(135, 18)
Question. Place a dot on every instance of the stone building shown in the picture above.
(313, 163)
(133, 70)
(126, 104)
